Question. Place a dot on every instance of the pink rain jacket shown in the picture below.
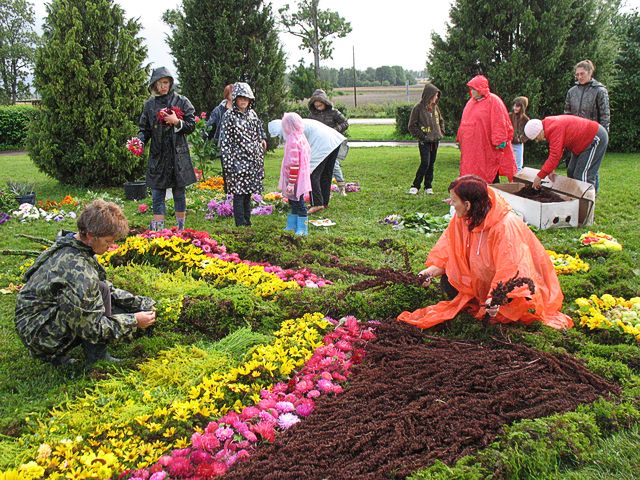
(496, 250)
(485, 124)
(297, 156)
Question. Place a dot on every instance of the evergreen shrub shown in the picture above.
(403, 112)
(14, 124)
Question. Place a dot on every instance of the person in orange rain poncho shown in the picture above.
(485, 134)
(486, 243)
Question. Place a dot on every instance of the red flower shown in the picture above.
(143, 207)
(162, 113)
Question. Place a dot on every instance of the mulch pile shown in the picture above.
(410, 403)
(544, 195)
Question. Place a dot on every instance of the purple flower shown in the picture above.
(287, 420)
(4, 217)
(256, 197)
(262, 210)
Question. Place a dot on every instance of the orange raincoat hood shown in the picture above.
(498, 249)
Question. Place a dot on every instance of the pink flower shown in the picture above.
(285, 407)
(180, 467)
(158, 476)
(325, 385)
(313, 394)
(135, 146)
(143, 207)
(198, 457)
(305, 407)
(287, 420)
(249, 412)
(224, 433)
(265, 430)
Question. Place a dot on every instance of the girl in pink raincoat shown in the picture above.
(295, 175)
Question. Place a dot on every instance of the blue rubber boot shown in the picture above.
(302, 227)
(292, 222)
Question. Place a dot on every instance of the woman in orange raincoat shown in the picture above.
(486, 243)
(485, 134)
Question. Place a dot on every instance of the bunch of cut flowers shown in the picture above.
(610, 313)
(600, 241)
(135, 146)
(166, 111)
(564, 263)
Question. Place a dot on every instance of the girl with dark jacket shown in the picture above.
(519, 119)
(427, 125)
(167, 118)
(322, 110)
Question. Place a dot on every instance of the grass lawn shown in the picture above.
(29, 388)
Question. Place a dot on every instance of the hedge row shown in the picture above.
(14, 122)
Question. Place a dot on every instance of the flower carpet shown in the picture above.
(415, 399)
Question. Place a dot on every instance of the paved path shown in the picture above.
(372, 121)
(8, 153)
(357, 144)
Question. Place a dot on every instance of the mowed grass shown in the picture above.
(28, 388)
(378, 95)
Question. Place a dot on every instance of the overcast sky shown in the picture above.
(384, 32)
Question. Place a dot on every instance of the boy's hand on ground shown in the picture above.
(145, 319)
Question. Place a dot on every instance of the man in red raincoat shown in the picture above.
(485, 135)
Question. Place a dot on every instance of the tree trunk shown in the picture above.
(315, 40)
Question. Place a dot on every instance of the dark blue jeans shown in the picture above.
(242, 209)
(428, 151)
(179, 200)
(298, 207)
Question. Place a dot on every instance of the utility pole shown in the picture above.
(355, 98)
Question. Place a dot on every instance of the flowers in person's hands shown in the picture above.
(135, 146)
(164, 112)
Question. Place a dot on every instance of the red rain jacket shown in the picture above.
(496, 250)
(485, 124)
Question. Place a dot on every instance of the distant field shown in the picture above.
(377, 95)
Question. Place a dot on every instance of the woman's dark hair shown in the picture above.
(473, 189)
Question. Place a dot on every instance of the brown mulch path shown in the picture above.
(410, 403)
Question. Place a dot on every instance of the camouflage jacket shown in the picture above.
(60, 303)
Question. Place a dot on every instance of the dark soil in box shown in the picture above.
(544, 195)
(410, 403)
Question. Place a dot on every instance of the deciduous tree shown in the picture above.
(89, 72)
(17, 45)
(314, 27)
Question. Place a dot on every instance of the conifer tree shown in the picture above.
(92, 82)
(625, 92)
(524, 47)
(216, 42)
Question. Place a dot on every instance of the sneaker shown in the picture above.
(413, 191)
(429, 191)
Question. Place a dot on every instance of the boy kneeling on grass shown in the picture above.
(66, 300)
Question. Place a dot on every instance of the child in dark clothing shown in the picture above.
(427, 125)
(519, 119)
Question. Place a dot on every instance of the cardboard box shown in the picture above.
(577, 210)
